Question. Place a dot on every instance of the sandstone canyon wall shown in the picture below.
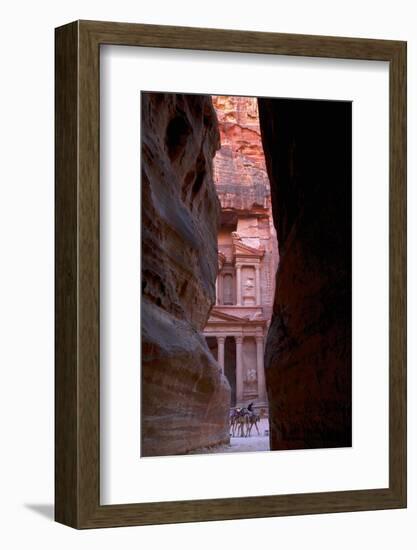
(243, 187)
(240, 173)
(185, 397)
(308, 354)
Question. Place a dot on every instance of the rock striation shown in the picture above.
(185, 396)
(307, 148)
(240, 173)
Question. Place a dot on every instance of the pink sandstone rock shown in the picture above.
(243, 187)
(240, 173)
(248, 252)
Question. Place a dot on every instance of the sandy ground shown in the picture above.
(243, 444)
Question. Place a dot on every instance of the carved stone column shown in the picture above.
(220, 351)
(239, 370)
(258, 284)
(260, 368)
(217, 291)
(238, 285)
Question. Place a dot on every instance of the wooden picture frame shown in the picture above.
(77, 375)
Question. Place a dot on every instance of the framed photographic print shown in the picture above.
(230, 274)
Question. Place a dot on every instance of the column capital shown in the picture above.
(239, 339)
(259, 338)
(221, 338)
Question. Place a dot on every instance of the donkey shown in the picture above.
(239, 422)
(253, 419)
(233, 421)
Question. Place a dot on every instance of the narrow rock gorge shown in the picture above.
(248, 253)
(185, 397)
(307, 147)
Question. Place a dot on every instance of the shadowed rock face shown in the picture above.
(307, 147)
(185, 398)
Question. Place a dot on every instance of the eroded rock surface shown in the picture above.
(185, 397)
(243, 188)
(240, 173)
(308, 355)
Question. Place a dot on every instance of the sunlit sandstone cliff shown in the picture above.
(240, 173)
(243, 187)
(185, 397)
(248, 253)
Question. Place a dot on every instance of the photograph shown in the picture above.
(246, 273)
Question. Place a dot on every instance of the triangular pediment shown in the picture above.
(217, 316)
(245, 250)
(241, 249)
(220, 316)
